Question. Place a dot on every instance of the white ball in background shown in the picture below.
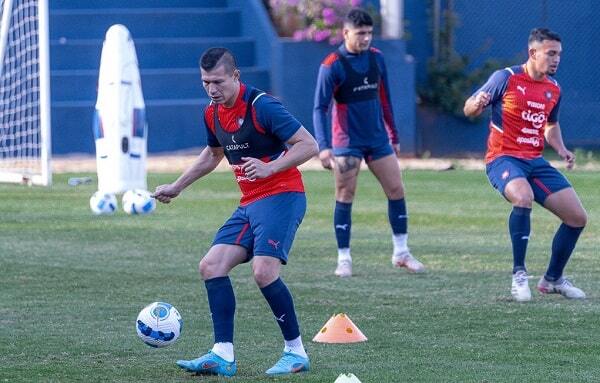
(103, 203)
(138, 201)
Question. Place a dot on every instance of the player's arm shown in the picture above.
(475, 104)
(206, 162)
(491, 92)
(386, 106)
(322, 102)
(554, 138)
(302, 147)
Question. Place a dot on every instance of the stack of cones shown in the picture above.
(339, 329)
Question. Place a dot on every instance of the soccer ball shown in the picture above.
(138, 201)
(159, 324)
(103, 203)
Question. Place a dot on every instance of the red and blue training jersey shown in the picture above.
(258, 126)
(355, 120)
(521, 107)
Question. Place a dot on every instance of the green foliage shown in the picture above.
(450, 78)
(73, 283)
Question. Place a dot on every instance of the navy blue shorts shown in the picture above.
(543, 177)
(265, 227)
(369, 153)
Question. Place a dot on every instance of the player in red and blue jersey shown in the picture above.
(263, 143)
(525, 103)
(353, 81)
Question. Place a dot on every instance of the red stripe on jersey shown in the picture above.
(330, 59)
(374, 50)
(339, 128)
(242, 232)
(542, 186)
(209, 112)
(257, 125)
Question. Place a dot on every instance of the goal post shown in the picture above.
(25, 139)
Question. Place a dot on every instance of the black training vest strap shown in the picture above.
(247, 141)
(358, 86)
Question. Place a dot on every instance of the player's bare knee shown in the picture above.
(522, 200)
(207, 268)
(263, 276)
(578, 219)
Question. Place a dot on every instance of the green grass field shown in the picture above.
(73, 283)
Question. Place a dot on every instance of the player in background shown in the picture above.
(353, 80)
(525, 103)
(263, 144)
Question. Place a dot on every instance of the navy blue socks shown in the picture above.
(519, 227)
(280, 300)
(562, 247)
(397, 215)
(221, 302)
(342, 222)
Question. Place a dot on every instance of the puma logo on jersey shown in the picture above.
(521, 89)
(273, 243)
(343, 227)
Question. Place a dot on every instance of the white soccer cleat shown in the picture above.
(406, 260)
(563, 287)
(520, 286)
(344, 268)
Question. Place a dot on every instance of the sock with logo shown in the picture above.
(342, 223)
(519, 227)
(397, 216)
(562, 247)
(280, 300)
(221, 301)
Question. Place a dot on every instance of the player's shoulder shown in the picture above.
(209, 110)
(376, 51)
(552, 81)
(331, 59)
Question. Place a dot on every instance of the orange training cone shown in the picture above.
(339, 329)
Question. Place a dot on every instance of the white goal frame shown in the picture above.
(20, 170)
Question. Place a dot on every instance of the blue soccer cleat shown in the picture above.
(289, 364)
(209, 364)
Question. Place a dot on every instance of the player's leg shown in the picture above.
(273, 241)
(555, 193)
(508, 176)
(345, 172)
(229, 250)
(387, 171)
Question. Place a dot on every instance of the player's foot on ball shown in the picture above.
(520, 286)
(209, 364)
(562, 286)
(344, 268)
(289, 364)
(406, 260)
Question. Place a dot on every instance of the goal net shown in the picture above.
(24, 93)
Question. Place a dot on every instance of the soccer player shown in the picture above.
(525, 103)
(354, 79)
(263, 143)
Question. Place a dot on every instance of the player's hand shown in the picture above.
(165, 193)
(569, 158)
(396, 150)
(255, 169)
(326, 157)
(482, 99)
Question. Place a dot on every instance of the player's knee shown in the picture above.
(578, 219)
(396, 192)
(206, 268)
(523, 200)
(263, 276)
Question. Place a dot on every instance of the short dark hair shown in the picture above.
(541, 34)
(218, 55)
(358, 18)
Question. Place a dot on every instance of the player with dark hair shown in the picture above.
(263, 143)
(354, 79)
(525, 102)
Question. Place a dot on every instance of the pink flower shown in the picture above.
(293, 3)
(299, 35)
(355, 3)
(322, 35)
(329, 17)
